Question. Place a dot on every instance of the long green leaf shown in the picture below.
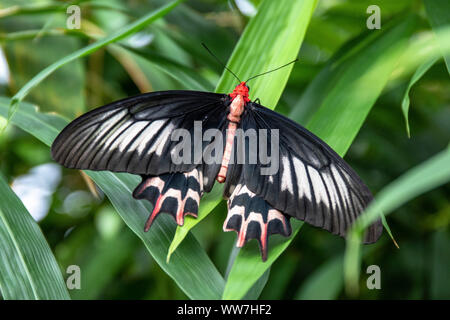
(438, 15)
(177, 71)
(35, 8)
(266, 43)
(423, 68)
(116, 36)
(418, 180)
(325, 283)
(186, 75)
(28, 268)
(357, 83)
(191, 269)
(352, 88)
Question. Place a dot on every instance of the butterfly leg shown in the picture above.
(177, 194)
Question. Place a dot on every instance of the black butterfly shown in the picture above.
(133, 135)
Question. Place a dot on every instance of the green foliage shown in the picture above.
(350, 87)
(120, 34)
(437, 13)
(428, 175)
(416, 77)
(28, 269)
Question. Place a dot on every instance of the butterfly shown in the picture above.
(312, 183)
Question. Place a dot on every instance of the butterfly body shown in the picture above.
(301, 177)
(239, 98)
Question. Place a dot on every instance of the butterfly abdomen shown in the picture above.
(236, 109)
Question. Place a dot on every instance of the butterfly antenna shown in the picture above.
(261, 74)
(220, 62)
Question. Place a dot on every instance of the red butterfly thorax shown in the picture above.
(241, 90)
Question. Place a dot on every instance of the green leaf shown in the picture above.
(438, 15)
(267, 42)
(68, 79)
(351, 89)
(325, 283)
(116, 36)
(112, 252)
(185, 75)
(191, 269)
(258, 287)
(440, 256)
(28, 268)
(357, 81)
(248, 267)
(418, 180)
(34, 8)
(423, 68)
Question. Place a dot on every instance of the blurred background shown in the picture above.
(82, 227)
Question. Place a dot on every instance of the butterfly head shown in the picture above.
(242, 90)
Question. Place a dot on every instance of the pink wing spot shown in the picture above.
(180, 216)
(177, 209)
(256, 212)
(263, 240)
(156, 182)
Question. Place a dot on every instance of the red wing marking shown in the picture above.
(154, 213)
(177, 194)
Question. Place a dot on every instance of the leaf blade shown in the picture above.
(420, 179)
(437, 13)
(423, 68)
(119, 35)
(28, 268)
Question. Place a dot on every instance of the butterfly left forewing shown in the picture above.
(134, 135)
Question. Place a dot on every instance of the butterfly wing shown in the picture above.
(312, 183)
(134, 134)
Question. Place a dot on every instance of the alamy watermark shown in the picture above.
(374, 280)
(74, 279)
(249, 147)
(374, 20)
(73, 20)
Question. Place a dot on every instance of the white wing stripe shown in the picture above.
(147, 135)
(286, 179)
(319, 188)
(302, 179)
(132, 133)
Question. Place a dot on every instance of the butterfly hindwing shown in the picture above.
(253, 218)
(175, 193)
